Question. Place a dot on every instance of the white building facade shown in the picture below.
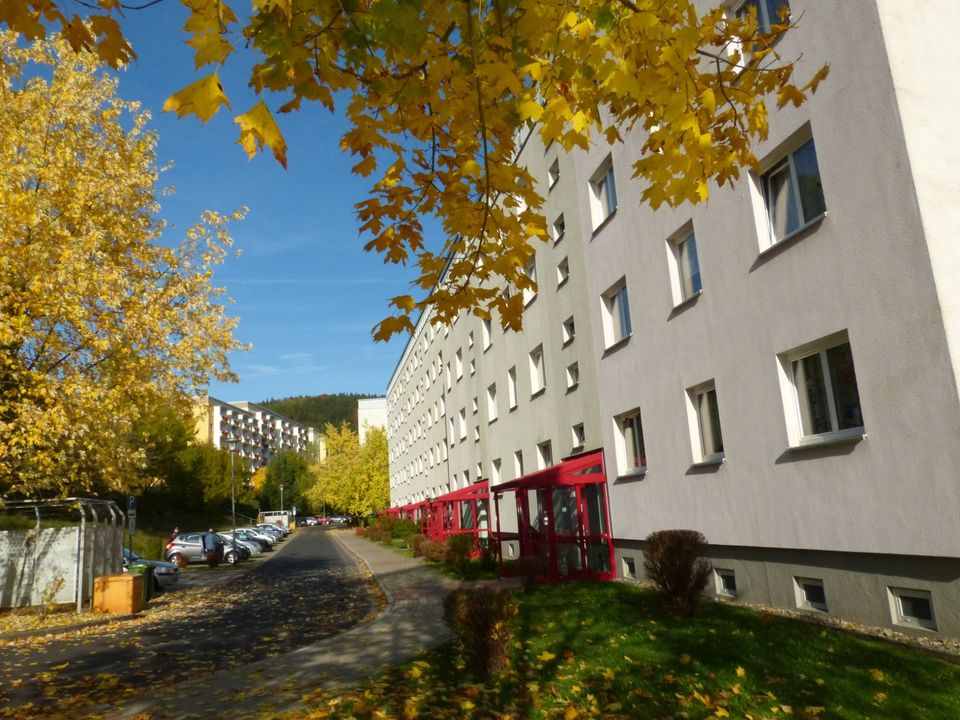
(259, 433)
(371, 413)
(776, 368)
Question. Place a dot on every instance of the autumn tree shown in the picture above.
(438, 91)
(354, 478)
(100, 321)
(289, 469)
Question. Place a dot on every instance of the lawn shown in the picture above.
(606, 650)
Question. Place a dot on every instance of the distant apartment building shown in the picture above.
(259, 433)
(371, 413)
(776, 368)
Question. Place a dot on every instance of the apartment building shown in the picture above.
(259, 433)
(776, 367)
(371, 413)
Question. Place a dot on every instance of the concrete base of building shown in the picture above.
(909, 594)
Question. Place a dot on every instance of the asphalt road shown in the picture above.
(309, 591)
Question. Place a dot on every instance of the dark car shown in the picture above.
(187, 548)
(165, 574)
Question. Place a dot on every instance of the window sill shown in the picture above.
(567, 342)
(786, 239)
(491, 421)
(710, 462)
(687, 302)
(571, 388)
(613, 347)
(844, 437)
(631, 475)
(538, 393)
(604, 222)
(558, 238)
(562, 282)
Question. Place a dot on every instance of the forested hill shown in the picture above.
(318, 410)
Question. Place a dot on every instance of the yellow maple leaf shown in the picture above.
(608, 674)
(545, 656)
(202, 98)
(740, 671)
(877, 675)
(258, 128)
(570, 713)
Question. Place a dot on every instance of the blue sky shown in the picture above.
(306, 294)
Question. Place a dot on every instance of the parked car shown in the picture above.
(260, 535)
(186, 548)
(306, 520)
(165, 574)
(283, 531)
(262, 544)
(244, 548)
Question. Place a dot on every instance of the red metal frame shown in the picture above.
(458, 512)
(562, 518)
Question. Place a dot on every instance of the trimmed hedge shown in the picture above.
(673, 561)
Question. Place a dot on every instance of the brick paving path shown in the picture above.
(411, 623)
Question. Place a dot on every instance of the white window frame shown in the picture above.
(462, 418)
(795, 401)
(578, 436)
(472, 365)
(486, 333)
(475, 406)
(544, 455)
(563, 272)
(530, 270)
(617, 323)
(720, 588)
(764, 21)
(628, 566)
(558, 228)
(603, 194)
(568, 330)
(491, 403)
(538, 373)
(573, 375)
(896, 594)
(458, 363)
(625, 454)
(678, 263)
(785, 159)
(703, 446)
(495, 471)
(518, 463)
(512, 394)
(553, 173)
(803, 602)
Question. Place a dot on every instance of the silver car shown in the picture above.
(165, 574)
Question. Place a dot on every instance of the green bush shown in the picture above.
(374, 533)
(149, 546)
(673, 561)
(403, 528)
(432, 550)
(456, 551)
(416, 543)
(386, 537)
(482, 621)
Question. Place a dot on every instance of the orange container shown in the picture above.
(121, 593)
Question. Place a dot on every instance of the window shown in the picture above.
(492, 403)
(559, 227)
(913, 608)
(512, 387)
(474, 406)
(563, 271)
(463, 424)
(603, 194)
(448, 377)
(631, 453)
(473, 366)
(458, 363)
(616, 314)
(577, 437)
(767, 12)
(569, 330)
(518, 463)
(629, 567)
(685, 260)
(544, 455)
(726, 582)
(470, 339)
(553, 174)
(495, 472)
(573, 375)
(476, 433)
(793, 194)
(530, 270)
(452, 435)
(538, 380)
(485, 333)
(811, 594)
(824, 392)
(709, 447)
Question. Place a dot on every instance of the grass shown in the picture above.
(591, 650)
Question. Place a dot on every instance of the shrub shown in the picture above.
(416, 543)
(403, 528)
(386, 537)
(361, 530)
(432, 550)
(456, 551)
(488, 555)
(482, 621)
(374, 533)
(673, 561)
(530, 569)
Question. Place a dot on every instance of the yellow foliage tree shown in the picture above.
(354, 478)
(100, 322)
(438, 90)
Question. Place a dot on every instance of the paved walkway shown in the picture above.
(411, 623)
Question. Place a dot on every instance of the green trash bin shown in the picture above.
(147, 572)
